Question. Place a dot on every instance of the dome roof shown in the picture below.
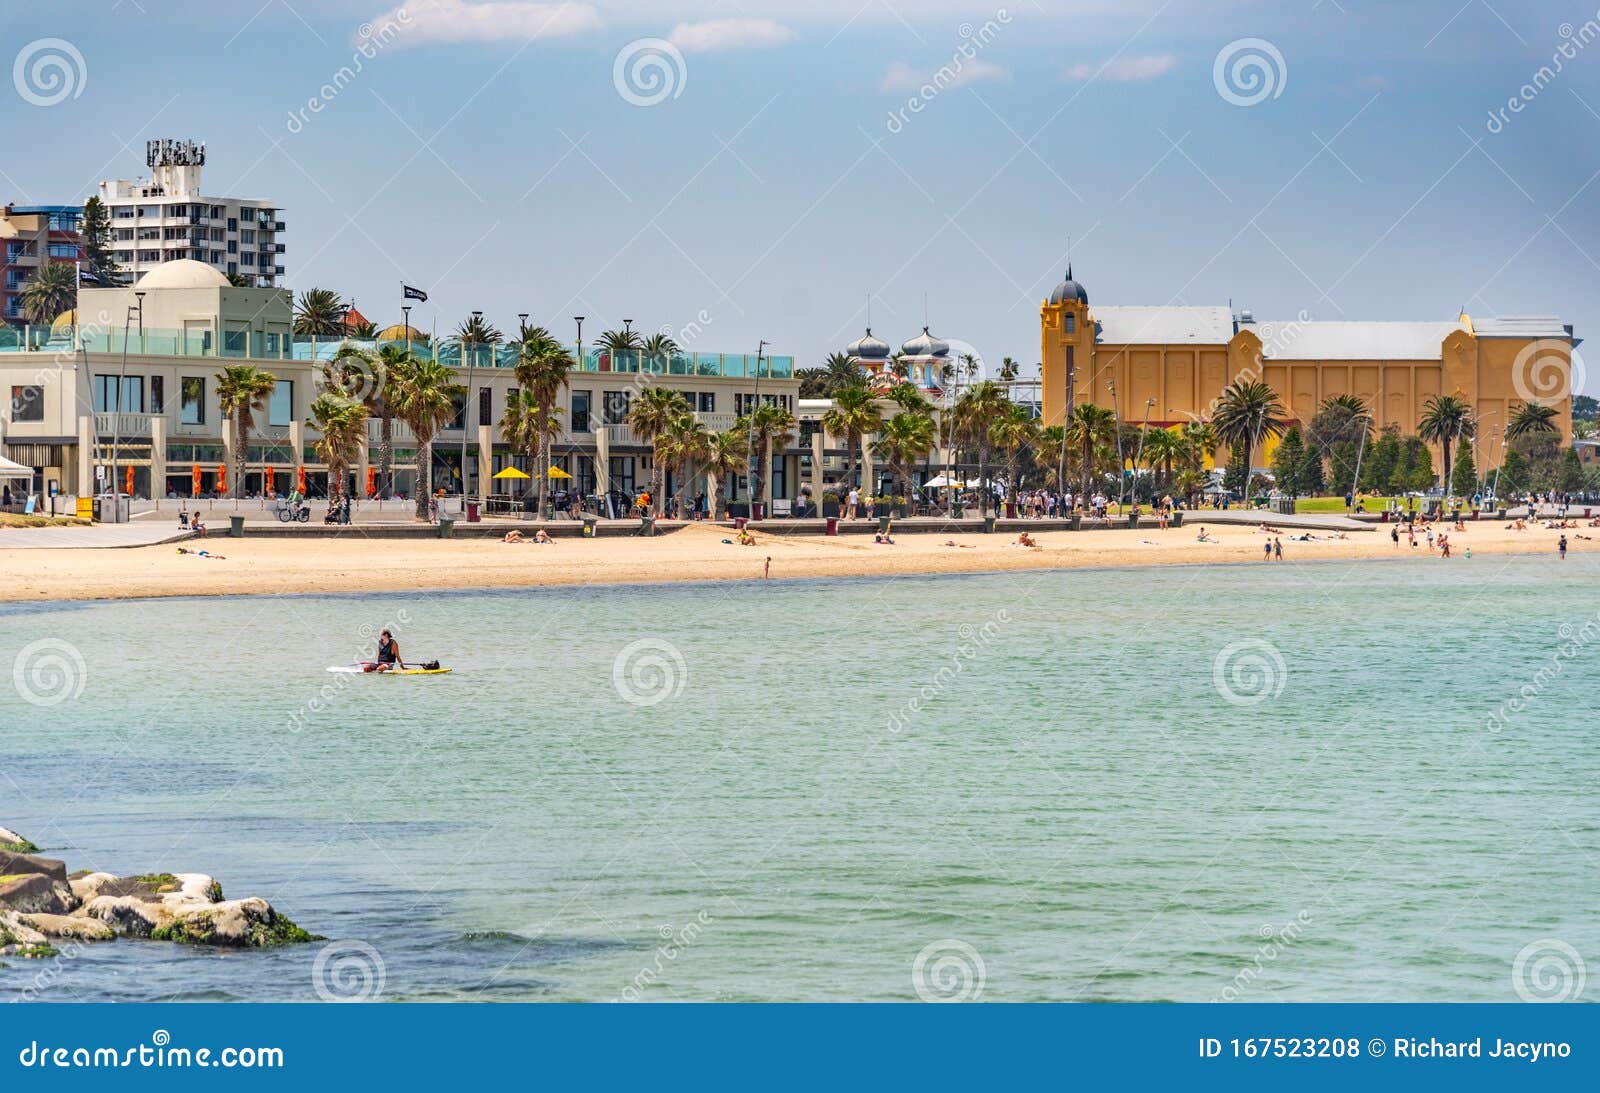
(184, 273)
(399, 332)
(1069, 291)
(925, 345)
(64, 322)
(868, 348)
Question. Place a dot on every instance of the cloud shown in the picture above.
(717, 34)
(422, 22)
(1373, 82)
(957, 73)
(1126, 69)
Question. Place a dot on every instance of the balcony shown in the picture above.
(122, 425)
(400, 434)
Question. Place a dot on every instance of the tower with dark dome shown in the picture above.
(1066, 339)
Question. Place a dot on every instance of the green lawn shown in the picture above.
(1336, 504)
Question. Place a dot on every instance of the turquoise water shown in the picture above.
(815, 783)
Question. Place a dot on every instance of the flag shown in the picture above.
(409, 293)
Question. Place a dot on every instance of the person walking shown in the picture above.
(1561, 548)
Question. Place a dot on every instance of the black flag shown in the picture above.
(409, 293)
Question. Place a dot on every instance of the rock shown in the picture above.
(68, 926)
(12, 862)
(20, 939)
(36, 893)
(86, 886)
(129, 916)
(240, 923)
(10, 840)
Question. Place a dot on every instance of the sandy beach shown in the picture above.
(269, 566)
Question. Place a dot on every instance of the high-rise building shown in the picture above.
(31, 236)
(167, 217)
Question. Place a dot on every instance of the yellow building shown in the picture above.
(1172, 363)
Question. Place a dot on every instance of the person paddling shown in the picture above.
(388, 655)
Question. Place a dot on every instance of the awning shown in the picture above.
(9, 469)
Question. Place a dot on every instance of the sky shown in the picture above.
(732, 172)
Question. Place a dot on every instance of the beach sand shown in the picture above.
(269, 566)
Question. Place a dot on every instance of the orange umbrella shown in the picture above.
(372, 481)
(222, 478)
(194, 475)
(129, 477)
(302, 477)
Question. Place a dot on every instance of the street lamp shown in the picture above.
(466, 402)
(1149, 404)
(1116, 425)
(116, 400)
(406, 311)
(598, 501)
(750, 439)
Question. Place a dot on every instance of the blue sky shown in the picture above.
(487, 153)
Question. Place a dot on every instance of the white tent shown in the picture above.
(10, 469)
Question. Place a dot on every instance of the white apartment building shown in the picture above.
(167, 217)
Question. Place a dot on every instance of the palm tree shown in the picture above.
(906, 438)
(240, 280)
(1248, 413)
(242, 390)
(533, 336)
(51, 290)
(1014, 433)
(774, 428)
(1533, 419)
(1009, 369)
(343, 423)
(854, 416)
(319, 312)
(477, 330)
(727, 454)
(1088, 427)
(521, 426)
(1163, 448)
(621, 344)
(659, 349)
(360, 373)
(425, 397)
(1053, 443)
(651, 416)
(976, 412)
(542, 369)
(1445, 419)
(837, 373)
(687, 442)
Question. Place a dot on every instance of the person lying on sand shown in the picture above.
(542, 537)
(201, 554)
(961, 546)
(513, 536)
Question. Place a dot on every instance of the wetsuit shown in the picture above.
(387, 652)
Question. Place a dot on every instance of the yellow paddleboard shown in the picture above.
(416, 672)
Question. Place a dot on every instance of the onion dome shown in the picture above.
(64, 322)
(1069, 291)
(868, 348)
(925, 345)
(400, 332)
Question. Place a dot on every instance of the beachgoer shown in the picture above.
(542, 537)
(197, 527)
(1561, 548)
(513, 536)
(851, 503)
(1277, 549)
(1394, 534)
(766, 568)
(1266, 551)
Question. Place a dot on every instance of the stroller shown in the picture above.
(338, 513)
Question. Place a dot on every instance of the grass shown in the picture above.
(15, 520)
(161, 882)
(1336, 504)
(24, 847)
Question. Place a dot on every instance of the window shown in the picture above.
(158, 394)
(247, 236)
(235, 343)
(485, 405)
(280, 406)
(458, 412)
(192, 405)
(580, 411)
(63, 250)
(233, 224)
(1069, 323)
(621, 470)
(105, 394)
(615, 407)
(706, 402)
(27, 403)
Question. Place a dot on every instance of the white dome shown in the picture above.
(184, 273)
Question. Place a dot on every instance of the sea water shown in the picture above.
(1332, 781)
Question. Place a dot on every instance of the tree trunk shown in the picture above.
(385, 454)
(240, 452)
(1087, 470)
(658, 482)
(984, 493)
(424, 475)
(541, 472)
(683, 485)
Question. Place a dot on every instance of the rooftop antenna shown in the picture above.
(869, 313)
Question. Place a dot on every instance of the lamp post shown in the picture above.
(750, 439)
(1492, 438)
(466, 404)
(598, 501)
(1116, 425)
(406, 311)
(116, 400)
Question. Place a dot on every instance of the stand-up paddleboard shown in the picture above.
(358, 669)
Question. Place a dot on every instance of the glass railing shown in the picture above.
(258, 345)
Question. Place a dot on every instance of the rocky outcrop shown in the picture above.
(10, 840)
(38, 901)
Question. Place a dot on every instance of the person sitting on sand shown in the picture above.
(1026, 540)
(513, 536)
(883, 537)
(542, 537)
(745, 538)
(1203, 537)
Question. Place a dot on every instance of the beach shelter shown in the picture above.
(194, 480)
(222, 478)
(10, 469)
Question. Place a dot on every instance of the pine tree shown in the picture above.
(1343, 462)
(1286, 462)
(1513, 474)
(97, 253)
(1312, 483)
(1416, 465)
(1377, 472)
(1464, 475)
(1570, 477)
(1233, 479)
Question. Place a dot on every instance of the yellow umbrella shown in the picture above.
(512, 472)
(557, 472)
